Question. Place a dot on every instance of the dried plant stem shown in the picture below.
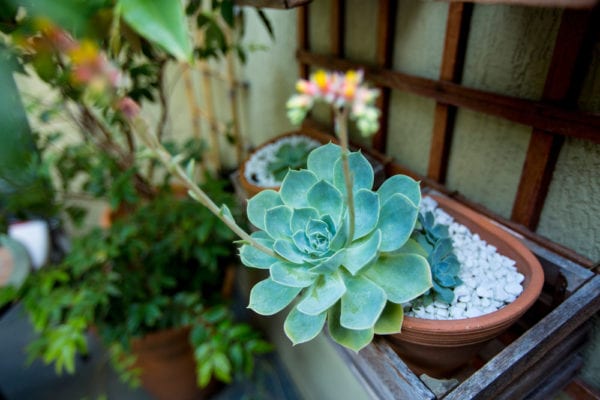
(233, 101)
(191, 99)
(341, 126)
(196, 193)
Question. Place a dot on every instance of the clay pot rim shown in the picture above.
(253, 189)
(532, 269)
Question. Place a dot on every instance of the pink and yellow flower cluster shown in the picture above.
(341, 90)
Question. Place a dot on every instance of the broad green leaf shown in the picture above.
(278, 222)
(366, 210)
(289, 251)
(390, 320)
(350, 338)
(291, 275)
(402, 276)
(321, 160)
(252, 257)
(361, 172)
(268, 297)
(301, 217)
(361, 304)
(400, 184)
(362, 253)
(412, 246)
(295, 186)
(326, 199)
(330, 264)
(259, 204)
(300, 327)
(324, 293)
(396, 221)
(162, 22)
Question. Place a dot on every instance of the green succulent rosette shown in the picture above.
(357, 284)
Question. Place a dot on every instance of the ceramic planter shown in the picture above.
(251, 188)
(440, 347)
(168, 368)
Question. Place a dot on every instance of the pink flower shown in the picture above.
(128, 107)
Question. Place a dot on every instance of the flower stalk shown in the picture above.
(341, 127)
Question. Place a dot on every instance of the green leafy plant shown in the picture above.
(288, 156)
(158, 267)
(14, 268)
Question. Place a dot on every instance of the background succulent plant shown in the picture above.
(356, 281)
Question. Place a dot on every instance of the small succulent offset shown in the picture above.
(289, 156)
(435, 240)
(356, 281)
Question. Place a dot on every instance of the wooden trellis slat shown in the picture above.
(384, 55)
(303, 39)
(455, 44)
(545, 116)
(338, 26)
(563, 83)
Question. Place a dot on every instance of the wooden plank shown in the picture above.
(580, 390)
(384, 55)
(338, 27)
(303, 40)
(455, 44)
(382, 373)
(528, 349)
(545, 116)
(565, 371)
(543, 3)
(563, 83)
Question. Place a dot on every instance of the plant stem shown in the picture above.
(341, 126)
(196, 193)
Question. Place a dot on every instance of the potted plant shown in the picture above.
(341, 253)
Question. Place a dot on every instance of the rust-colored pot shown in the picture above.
(440, 347)
(252, 189)
(168, 368)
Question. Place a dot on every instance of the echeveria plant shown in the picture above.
(356, 280)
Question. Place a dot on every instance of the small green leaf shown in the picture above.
(324, 293)
(162, 22)
(300, 327)
(227, 12)
(362, 253)
(265, 20)
(301, 217)
(278, 222)
(330, 264)
(268, 297)
(252, 257)
(350, 338)
(360, 170)
(396, 221)
(295, 186)
(366, 210)
(362, 303)
(259, 204)
(322, 158)
(400, 184)
(289, 251)
(325, 198)
(402, 276)
(291, 275)
(391, 318)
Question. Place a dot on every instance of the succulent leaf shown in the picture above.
(397, 221)
(331, 264)
(255, 258)
(322, 158)
(323, 294)
(391, 319)
(300, 327)
(402, 276)
(360, 170)
(360, 254)
(278, 222)
(350, 338)
(289, 251)
(366, 212)
(362, 303)
(324, 197)
(291, 275)
(400, 184)
(268, 297)
(300, 218)
(259, 204)
(294, 187)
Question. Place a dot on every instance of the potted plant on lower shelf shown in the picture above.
(341, 254)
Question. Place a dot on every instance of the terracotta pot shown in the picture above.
(252, 189)
(168, 368)
(440, 347)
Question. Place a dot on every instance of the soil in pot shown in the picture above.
(440, 347)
